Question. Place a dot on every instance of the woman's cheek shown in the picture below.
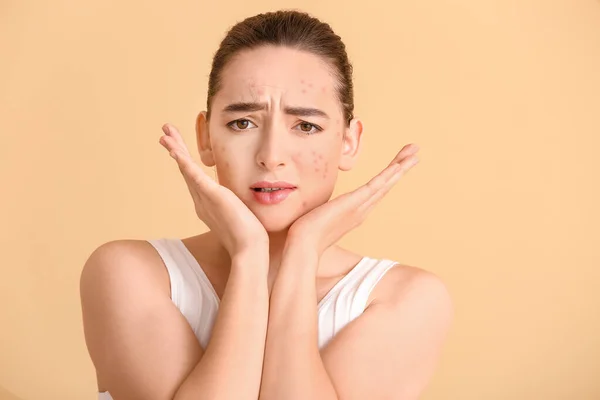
(224, 165)
(319, 166)
(307, 163)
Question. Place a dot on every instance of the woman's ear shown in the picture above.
(351, 144)
(203, 140)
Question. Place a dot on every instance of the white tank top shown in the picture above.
(194, 295)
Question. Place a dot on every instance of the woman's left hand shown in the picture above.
(323, 226)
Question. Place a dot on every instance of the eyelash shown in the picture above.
(318, 128)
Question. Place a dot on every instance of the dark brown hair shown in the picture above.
(290, 28)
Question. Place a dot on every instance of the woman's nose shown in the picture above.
(272, 153)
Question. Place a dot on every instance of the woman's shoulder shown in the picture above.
(133, 262)
(402, 282)
(125, 290)
(405, 281)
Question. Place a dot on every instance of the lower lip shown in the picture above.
(274, 197)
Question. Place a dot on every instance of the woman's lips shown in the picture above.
(274, 197)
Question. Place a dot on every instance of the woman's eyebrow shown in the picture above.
(254, 106)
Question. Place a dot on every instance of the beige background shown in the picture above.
(503, 98)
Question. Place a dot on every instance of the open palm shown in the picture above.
(326, 224)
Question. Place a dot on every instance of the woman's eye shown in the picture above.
(239, 124)
(243, 125)
(309, 126)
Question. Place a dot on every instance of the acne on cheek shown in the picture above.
(319, 164)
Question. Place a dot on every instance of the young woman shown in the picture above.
(266, 305)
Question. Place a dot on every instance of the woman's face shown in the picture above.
(295, 134)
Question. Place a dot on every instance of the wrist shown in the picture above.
(256, 256)
(303, 252)
(300, 244)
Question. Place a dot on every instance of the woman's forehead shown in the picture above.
(278, 72)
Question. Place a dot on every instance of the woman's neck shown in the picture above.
(220, 258)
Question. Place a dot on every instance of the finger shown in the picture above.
(379, 181)
(400, 171)
(195, 185)
(193, 174)
(173, 132)
(171, 145)
(406, 151)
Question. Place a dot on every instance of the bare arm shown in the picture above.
(232, 365)
(144, 348)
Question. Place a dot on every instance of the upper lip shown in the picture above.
(278, 184)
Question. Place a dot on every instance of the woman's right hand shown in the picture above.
(219, 208)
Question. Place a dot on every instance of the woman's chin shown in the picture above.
(275, 221)
(277, 217)
(275, 225)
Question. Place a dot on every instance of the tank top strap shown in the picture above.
(365, 280)
(173, 262)
(191, 290)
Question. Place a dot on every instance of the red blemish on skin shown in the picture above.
(317, 169)
(227, 163)
(304, 204)
(260, 92)
(303, 90)
(324, 89)
(320, 156)
(301, 80)
(298, 158)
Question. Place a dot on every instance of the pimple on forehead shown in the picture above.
(303, 82)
